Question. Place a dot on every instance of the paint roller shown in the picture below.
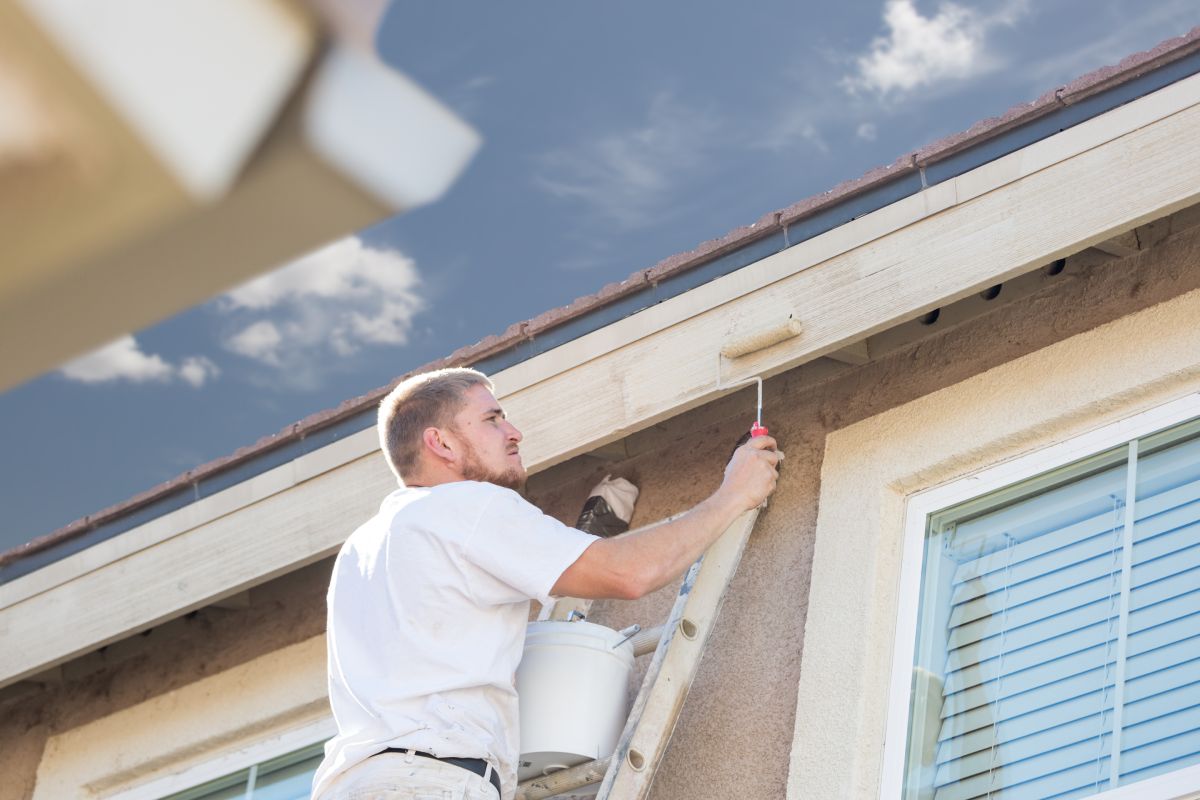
(740, 342)
(744, 339)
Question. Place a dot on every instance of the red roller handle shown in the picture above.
(757, 430)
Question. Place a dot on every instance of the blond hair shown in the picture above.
(430, 399)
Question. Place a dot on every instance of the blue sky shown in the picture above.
(614, 135)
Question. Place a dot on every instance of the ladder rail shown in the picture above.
(669, 677)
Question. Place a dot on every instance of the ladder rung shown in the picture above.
(647, 641)
(565, 780)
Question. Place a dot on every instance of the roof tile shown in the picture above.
(846, 190)
(1131, 67)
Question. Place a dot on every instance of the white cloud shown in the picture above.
(197, 370)
(346, 269)
(334, 300)
(260, 341)
(867, 132)
(628, 176)
(795, 125)
(920, 51)
(124, 360)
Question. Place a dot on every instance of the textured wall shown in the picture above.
(202, 644)
(736, 731)
(233, 710)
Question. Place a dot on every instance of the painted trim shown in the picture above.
(817, 251)
(163, 528)
(968, 487)
(273, 746)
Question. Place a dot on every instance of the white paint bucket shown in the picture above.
(572, 686)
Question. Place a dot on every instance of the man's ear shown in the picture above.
(436, 444)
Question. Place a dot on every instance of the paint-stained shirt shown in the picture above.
(426, 624)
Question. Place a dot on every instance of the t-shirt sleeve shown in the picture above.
(522, 548)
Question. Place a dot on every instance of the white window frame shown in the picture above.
(230, 762)
(1183, 784)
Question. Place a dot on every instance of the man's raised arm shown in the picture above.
(628, 567)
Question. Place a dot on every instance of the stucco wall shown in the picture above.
(231, 711)
(736, 733)
(207, 643)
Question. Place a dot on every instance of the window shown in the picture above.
(288, 777)
(1057, 637)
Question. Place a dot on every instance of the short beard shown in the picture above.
(510, 478)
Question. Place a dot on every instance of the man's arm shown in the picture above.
(628, 567)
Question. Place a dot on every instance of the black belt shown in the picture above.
(476, 765)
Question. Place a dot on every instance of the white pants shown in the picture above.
(401, 776)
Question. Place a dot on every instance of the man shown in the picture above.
(430, 598)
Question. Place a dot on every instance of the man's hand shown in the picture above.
(751, 474)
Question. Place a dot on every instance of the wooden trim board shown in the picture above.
(1007, 217)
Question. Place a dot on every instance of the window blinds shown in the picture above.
(1046, 657)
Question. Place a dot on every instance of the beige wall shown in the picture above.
(207, 643)
(735, 738)
(215, 719)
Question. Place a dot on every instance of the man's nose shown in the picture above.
(513, 433)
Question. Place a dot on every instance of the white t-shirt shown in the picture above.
(427, 612)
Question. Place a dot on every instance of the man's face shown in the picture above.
(489, 441)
